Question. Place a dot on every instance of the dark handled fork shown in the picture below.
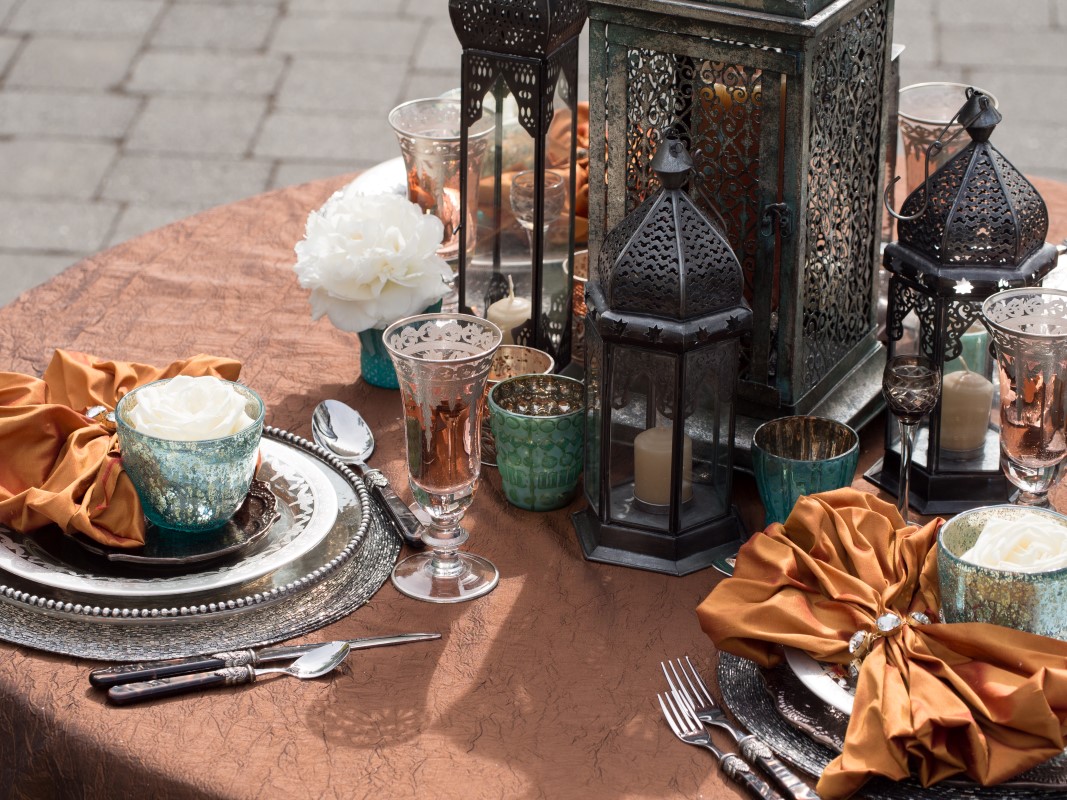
(700, 703)
(691, 731)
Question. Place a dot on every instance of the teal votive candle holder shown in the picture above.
(802, 455)
(538, 423)
(190, 485)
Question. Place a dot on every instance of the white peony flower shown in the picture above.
(1026, 542)
(370, 260)
(189, 409)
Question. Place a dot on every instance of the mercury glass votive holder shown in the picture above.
(539, 425)
(510, 361)
(190, 485)
(1027, 601)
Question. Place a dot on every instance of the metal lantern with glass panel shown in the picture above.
(520, 68)
(665, 317)
(783, 104)
(973, 228)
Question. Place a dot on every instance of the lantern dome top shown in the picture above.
(666, 258)
(981, 211)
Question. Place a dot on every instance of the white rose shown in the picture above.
(1025, 542)
(370, 260)
(190, 409)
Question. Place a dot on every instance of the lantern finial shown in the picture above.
(672, 162)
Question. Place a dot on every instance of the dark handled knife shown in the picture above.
(407, 524)
(151, 670)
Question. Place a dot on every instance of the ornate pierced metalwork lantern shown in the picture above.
(665, 317)
(973, 228)
(520, 67)
(782, 104)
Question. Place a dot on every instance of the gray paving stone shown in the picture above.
(55, 225)
(197, 125)
(64, 63)
(389, 40)
(439, 48)
(168, 180)
(1041, 49)
(291, 173)
(8, 46)
(965, 14)
(108, 18)
(919, 72)
(1023, 98)
(54, 168)
(138, 218)
(22, 271)
(429, 83)
(1059, 13)
(348, 8)
(358, 141)
(89, 115)
(6, 6)
(167, 71)
(238, 27)
(326, 84)
(1037, 149)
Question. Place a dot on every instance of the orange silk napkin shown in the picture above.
(933, 700)
(61, 467)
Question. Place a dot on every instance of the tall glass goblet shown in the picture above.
(1029, 332)
(442, 361)
(524, 201)
(911, 385)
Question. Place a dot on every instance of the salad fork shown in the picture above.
(691, 731)
(699, 703)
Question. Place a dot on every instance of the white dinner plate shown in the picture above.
(828, 682)
(308, 505)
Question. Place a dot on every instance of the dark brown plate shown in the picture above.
(167, 548)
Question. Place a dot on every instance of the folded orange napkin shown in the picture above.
(932, 700)
(61, 467)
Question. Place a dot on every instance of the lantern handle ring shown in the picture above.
(931, 152)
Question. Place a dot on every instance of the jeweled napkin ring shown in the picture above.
(861, 642)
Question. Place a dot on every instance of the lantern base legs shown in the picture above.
(944, 493)
(659, 552)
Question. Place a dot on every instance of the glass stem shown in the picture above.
(907, 445)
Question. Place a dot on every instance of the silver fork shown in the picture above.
(691, 731)
(700, 704)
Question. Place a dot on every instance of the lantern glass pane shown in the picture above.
(710, 374)
(594, 361)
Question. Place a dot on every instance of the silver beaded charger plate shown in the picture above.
(802, 729)
(330, 581)
(308, 512)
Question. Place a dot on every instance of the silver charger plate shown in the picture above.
(308, 512)
(321, 586)
(775, 706)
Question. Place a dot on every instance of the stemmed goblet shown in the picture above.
(911, 385)
(524, 200)
(442, 361)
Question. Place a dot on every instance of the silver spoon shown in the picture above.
(313, 664)
(340, 429)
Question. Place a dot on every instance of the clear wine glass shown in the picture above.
(911, 385)
(442, 361)
(524, 203)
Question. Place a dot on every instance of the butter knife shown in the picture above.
(152, 670)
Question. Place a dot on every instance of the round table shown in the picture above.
(544, 688)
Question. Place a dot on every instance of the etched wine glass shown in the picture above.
(1029, 331)
(524, 201)
(911, 385)
(442, 361)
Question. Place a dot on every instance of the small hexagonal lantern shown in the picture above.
(973, 228)
(663, 327)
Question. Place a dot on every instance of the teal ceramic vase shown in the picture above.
(375, 365)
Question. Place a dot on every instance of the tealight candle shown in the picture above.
(966, 399)
(652, 466)
(509, 313)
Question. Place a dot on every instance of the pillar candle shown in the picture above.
(966, 399)
(652, 466)
(509, 313)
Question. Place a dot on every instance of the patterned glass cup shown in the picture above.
(538, 422)
(795, 456)
(510, 361)
(190, 485)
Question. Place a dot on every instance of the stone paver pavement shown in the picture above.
(118, 116)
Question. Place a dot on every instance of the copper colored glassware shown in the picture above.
(510, 361)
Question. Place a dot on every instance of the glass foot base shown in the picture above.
(414, 577)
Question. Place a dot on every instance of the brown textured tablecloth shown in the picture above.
(544, 688)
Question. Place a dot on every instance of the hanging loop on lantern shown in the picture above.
(977, 103)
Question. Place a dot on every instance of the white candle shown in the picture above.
(652, 466)
(966, 399)
(509, 313)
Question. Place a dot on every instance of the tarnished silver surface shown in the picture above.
(775, 706)
(329, 582)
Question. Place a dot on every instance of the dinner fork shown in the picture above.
(700, 704)
(691, 731)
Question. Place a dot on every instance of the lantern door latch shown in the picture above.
(777, 215)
